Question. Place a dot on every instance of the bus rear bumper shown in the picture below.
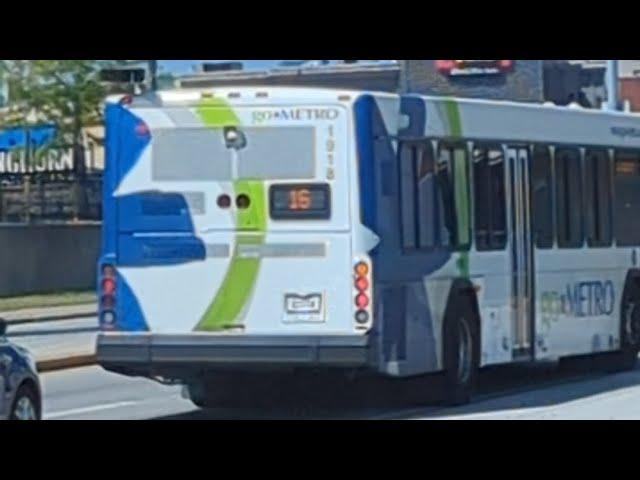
(142, 353)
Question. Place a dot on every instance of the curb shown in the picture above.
(57, 364)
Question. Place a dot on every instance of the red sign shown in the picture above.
(455, 68)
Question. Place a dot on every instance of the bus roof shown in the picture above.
(523, 122)
(246, 94)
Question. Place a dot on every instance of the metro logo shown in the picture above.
(298, 114)
(582, 299)
(589, 299)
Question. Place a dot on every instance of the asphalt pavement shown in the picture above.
(511, 393)
(537, 392)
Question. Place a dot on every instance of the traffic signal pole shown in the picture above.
(153, 72)
(613, 79)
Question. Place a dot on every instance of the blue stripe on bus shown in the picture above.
(364, 112)
(415, 108)
(399, 276)
(154, 212)
(159, 250)
(132, 144)
(110, 180)
(165, 220)
(129, 316)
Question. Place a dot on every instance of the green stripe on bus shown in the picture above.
(453, 116)
(239, 282)
(216, 113)
(461, 183)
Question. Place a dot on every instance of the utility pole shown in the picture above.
(153, 72)
(613, 79)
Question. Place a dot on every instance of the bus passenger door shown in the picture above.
(520, 245)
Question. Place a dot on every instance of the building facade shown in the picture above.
(365, 76)
(517, 80)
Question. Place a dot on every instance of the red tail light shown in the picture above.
(108, 289)
(108, 286)
(362, 284)
(362, 301)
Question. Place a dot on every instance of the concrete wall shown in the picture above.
(524, 83)
(45, 258)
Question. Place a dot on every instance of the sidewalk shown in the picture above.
(49, 314)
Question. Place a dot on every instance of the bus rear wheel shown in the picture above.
(461, 354)
(626, 358)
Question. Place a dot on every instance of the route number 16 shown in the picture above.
(300, 199)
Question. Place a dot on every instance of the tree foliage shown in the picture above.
(67, 93)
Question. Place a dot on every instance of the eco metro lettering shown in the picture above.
(591, 299)
(581, 299)
(300, 114)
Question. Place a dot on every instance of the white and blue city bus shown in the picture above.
(288, 229)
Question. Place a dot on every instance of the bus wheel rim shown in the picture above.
(633, 324)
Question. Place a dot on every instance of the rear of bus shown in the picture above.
(231, 234)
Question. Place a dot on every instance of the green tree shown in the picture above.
(67, 93)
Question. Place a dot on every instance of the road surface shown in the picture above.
(521, 393)
(539, 392)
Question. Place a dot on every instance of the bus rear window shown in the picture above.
(300, 202)
(262, 153)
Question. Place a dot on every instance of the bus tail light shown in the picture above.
(362, 295)
(362, 284)
(362, 301)
(108, 287)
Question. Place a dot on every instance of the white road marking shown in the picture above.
(95, 408)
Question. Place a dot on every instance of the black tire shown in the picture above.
(233, 391)
(209, 395)
(626, 358)
(25, 394)
(461, 344)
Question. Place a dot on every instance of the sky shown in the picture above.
(186, 66)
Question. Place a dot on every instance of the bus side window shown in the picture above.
(453, 172)
(542, 197)
(408, 195)
(627, 198)
(489, 198)
(598, 197)
(428, 198)
(569, 198)
(422, 198)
